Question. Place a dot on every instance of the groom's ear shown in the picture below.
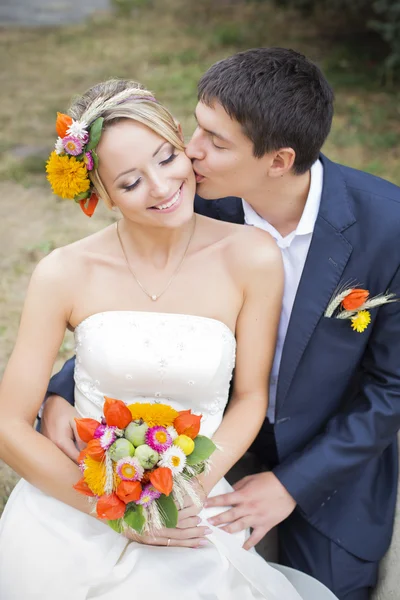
(282, 163)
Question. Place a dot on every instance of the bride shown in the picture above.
(160, 305)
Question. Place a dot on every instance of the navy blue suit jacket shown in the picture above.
(338, 396)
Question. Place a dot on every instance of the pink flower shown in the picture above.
(129, 469)
(72, 145)
(88, 158)
(148, 495)
(108, 436)
(158, 438)
(99, 431)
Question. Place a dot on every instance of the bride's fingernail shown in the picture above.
(207, 531)
(202, 543)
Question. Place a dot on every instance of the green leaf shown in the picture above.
(134, 517)
(94, 134)
(82, 196)
(95, 159)
(203, 448)
(168, 510)
(116, 524)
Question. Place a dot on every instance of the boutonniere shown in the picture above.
(355, 304)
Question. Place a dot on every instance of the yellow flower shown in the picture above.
(153, 414)
(68, 176)
(95, 475)
(361, 320)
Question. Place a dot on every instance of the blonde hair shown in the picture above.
(118, 99)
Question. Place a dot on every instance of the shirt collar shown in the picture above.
(307, 221)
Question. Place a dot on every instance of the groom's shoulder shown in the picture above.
(223, 209)
(361, 184)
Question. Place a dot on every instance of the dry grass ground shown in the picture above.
(166, 44)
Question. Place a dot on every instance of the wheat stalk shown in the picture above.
(379, 300)
(335, 302)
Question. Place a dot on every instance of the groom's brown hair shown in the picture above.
(280, 98)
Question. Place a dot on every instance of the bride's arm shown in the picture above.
(259, 268)
(43, 323)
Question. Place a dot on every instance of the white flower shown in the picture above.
(172, 432)
(78, 129)
(59, 146)
(174, 458)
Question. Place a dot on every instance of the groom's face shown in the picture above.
(222, 156)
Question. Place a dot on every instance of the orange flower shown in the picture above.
(355, 299)
(62, 124)
(110, 507)
(91, 204)
(82, 455)
(86, 428)
(116, 412)
(94, 450)
(129, 491)
(82, 487)
(187, 424)
(161, 479)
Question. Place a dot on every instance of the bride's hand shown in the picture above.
(191, 536)
(187, 534)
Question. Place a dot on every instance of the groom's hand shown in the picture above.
(259, 501)
(59, 426)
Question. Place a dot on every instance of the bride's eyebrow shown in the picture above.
(160, 147)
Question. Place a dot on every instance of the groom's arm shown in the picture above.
(58, 415)
(62, 383)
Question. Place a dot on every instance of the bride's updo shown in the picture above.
(118, 99)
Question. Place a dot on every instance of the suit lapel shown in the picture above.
(326, 260)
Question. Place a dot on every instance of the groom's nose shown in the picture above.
(195, 148)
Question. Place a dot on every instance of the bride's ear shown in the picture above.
(180, 132)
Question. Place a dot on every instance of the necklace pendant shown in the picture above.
(154, 297)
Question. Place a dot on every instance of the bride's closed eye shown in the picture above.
(170, 159)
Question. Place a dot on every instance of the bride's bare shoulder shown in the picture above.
(244, 244)
(73, 260)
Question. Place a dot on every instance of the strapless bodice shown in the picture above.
(185, 361)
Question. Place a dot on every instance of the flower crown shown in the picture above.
(75, 154)
(74, 157)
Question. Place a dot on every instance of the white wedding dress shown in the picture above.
(50, 551)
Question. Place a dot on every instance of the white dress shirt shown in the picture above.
(294, 248)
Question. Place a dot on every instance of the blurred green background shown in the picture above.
(167, 45)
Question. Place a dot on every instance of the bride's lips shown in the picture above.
(171, 204)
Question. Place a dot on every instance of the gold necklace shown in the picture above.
(155, 297)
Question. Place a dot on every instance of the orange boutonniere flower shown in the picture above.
(354, 304)
(355, 299)
(117, 414)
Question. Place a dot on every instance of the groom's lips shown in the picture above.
(199, 178)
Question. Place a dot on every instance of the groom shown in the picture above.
(334, 403)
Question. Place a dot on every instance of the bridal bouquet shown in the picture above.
(139, 462)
